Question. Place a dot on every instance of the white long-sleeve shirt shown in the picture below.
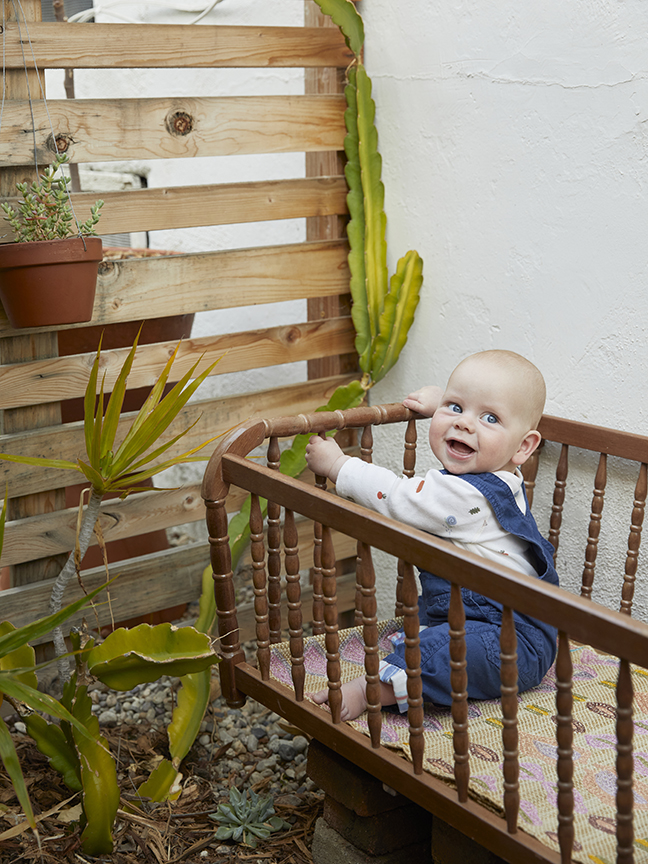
(441, 504)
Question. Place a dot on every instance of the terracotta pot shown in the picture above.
(49, 282)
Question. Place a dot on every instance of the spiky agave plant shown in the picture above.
(122, 468)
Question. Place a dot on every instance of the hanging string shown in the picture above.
(17, 7)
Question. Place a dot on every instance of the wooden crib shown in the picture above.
(520, 774)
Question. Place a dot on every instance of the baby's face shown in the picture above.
(481, 422)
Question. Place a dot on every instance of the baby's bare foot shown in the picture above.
(354, 698)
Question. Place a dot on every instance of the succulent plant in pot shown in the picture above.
(48, 274)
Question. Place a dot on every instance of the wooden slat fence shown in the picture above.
(34, 379)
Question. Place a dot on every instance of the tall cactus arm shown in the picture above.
(398, 314)
(374, 201)
(356, 227)
(344, 14)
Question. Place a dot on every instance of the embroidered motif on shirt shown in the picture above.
(420, 486)
(381, 495)
(474, 510)
(451, 521)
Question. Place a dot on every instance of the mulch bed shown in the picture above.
(159, 834)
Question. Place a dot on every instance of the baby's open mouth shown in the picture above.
(460, 447)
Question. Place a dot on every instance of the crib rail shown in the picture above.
(576, 618)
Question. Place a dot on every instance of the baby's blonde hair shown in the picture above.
(528, 378)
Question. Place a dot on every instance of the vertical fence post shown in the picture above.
(36, 346)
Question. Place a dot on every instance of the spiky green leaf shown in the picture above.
(12, 765)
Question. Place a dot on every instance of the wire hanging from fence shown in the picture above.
(18, 12)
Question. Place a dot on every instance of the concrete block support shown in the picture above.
(363, 823)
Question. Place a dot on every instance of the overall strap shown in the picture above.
(502, 499)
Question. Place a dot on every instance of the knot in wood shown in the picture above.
(179, 123)
(59, 143)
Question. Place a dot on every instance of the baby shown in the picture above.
(483, 428)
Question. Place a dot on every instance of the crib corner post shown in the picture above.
(228, 630)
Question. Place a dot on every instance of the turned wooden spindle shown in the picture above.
(370, 638)
(409, 456)
(565, 754)
(634, 542)
(318, 597)
(530, 472)
(293, 595)
(510, 738)
(560, 484)
(624, 765)
(459, 686)
(366, 451)
(259, 580)
(331, 639)
(366, 444)
(274, 551)
(591, 550)
(228, 629)
(409, 465)
(413, 665)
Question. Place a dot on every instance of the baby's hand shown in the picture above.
(324, 457)
(424, 401)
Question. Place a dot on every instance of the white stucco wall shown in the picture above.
(513, 139)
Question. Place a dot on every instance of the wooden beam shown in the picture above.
(139, 590)
(200, 282)
(323, 226)
(226, 204)
(55, 533)
(122, 46)
(19, 348)
(214, 417)
(105, 130)
(34, 383)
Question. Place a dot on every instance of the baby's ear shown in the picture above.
(530, 443)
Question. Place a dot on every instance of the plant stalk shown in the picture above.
(90, 516)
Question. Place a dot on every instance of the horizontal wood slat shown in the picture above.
(143, 586)
(213, 280)
(53, 533)
(215, 416)
(225, 204)
(42, 381)
(104, 130)
(122, 46)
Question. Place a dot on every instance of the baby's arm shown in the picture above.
(324, 457)
(424, 401)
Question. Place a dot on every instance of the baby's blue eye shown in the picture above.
(454, 407)
(490, 418)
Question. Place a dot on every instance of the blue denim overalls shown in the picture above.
(536, 641)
